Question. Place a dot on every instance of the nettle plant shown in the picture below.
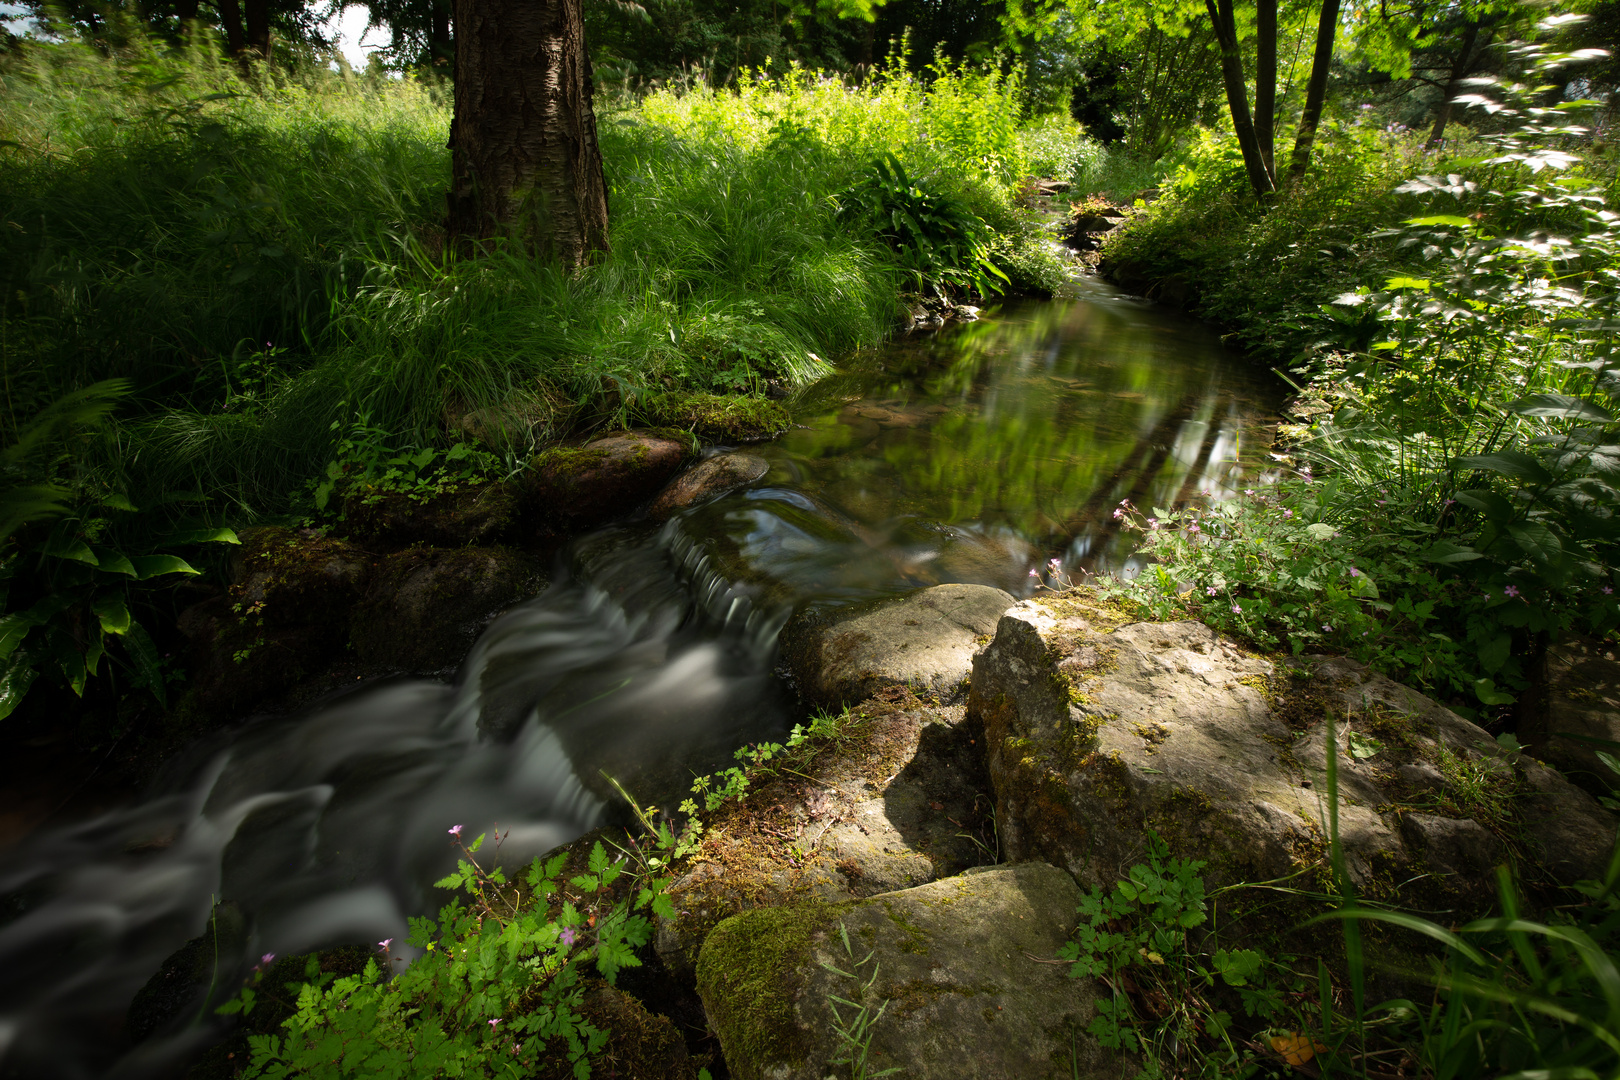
(500, 981)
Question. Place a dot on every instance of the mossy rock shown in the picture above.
(293, 577)
(721, 418)
(1099, 731)
(482, 513)
(957, 960)
(572, 488)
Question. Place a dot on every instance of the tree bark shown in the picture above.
(1265, 83)
(440, 50)
(258, 27)
(1237, 97)
(230, 20)
(1327, 29)
(1459, 72)
(524, 158)
(185, 11)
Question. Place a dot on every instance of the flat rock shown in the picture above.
(427, 605)
(1099, 728)
(573, 488)
(709, 478)
(925, 641)
(957, 961)
(1579, 695)
(902, 800)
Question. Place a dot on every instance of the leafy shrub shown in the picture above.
(1051, 146)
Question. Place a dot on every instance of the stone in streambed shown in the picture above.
(958, 961)
(708, 479)
(1099, 729)
(900, 799)
(925, 641)
(427, 605)
(574, 488)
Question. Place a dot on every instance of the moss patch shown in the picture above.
(749, 973)
(720, 417)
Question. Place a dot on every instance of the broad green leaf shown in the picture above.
(1319, 531)
(69, 548)
(1536, 541)
(1453, 220)
(1512, 463)
(115, 501)
(1444, 551)
(1493, 506)
(1486, 691)
(150, 566)
(17, 674)
(113, 613)
(1560, 407)
(204, 536)
(113, 562)
(13, 629)
(1421, 284)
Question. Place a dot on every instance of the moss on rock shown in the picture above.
(749, 973)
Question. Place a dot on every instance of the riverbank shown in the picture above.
(229, 306)
(1443, 511)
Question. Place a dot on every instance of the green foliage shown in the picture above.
(938, 240)
(854, 1032)
(75, 557)
(364, 467)
(497, 987)
(1464, 423)
(1138, 939)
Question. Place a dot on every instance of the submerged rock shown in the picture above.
(709, 478)
(925, 641)
(1099, 729)
(573, 488)
(427, 605)
(900, 798)
(958, 961)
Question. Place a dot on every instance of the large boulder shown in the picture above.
(713, 476)
(290, 577)
(925, 641)
(1099, 728)
(427, 605)
(958, 961)
(475, 514)
(572, 488)
(1579, 695)
(897, 798)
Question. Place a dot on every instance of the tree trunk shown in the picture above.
(1265, 83)
(524, 159)
(1327, 29)
(1459, 72)
(230, 20)
(185, 12)
(440, 50)
(1237, 97)
(258, 27)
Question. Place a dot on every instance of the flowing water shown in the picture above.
(975, 454)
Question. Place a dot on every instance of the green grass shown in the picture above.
(265, 261)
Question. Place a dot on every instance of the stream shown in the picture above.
(974, 454)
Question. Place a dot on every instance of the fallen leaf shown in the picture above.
(1297, 1049)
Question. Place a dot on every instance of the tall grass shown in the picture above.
(264, 259)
